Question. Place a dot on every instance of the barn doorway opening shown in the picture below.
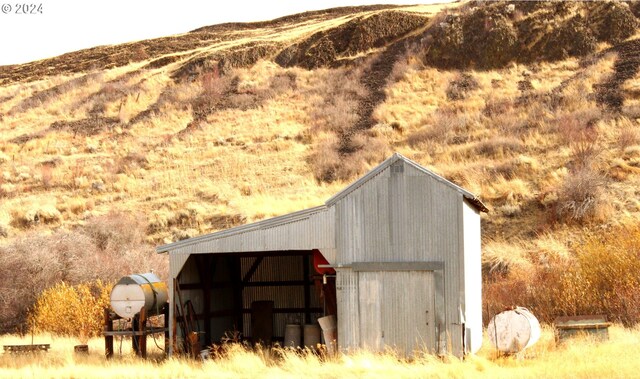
(251, 296)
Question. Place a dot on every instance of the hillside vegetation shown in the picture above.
(533, 106)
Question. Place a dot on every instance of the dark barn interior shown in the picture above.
(250, 296)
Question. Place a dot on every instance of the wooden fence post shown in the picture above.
(165, 311)
(108, 340)
(142, 339)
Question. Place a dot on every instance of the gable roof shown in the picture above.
(473, 199)
(303, 214)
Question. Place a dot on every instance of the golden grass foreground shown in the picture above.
(580, 358)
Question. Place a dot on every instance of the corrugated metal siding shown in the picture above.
(369, 299)
(314, 229)
(404, 215)
(386, 315)
(348, 308)
(176, 261)
(408, 322)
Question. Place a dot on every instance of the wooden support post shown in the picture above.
(165, 311)
(135, 321)
(174, 320)
(307, 289)
(236, 283)
(108, 340)
(205, 273)
(142, 338)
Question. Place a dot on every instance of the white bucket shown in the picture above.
(329, 332)
(292, 335)
(311, 335)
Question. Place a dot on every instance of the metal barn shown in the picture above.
(402, 268)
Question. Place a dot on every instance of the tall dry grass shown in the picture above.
(580, 358)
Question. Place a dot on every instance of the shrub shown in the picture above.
(106, 248)
(601, 277)
(489, 39)
(607, 277)
(326, 160)
(572, 39)
(330, 164)
(72, 310)
(115, 231)
(581, 197)
(34, 214)
(579, 131)
(130, 162)
(459, 89)
(498, 147)
(618, 22)
(628, 135)
(445, 43)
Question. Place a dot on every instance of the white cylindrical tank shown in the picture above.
(133, 292)
(514, 330)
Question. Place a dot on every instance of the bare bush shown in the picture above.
(580, 132)
(46, 170)
(581, 197)
(326, 160)
(498, 147)
(343, 150)
(629, 135)
(448, 127)
(459, 89)
(496, 107)
(131, 162)
(107, 248)
(336, 109)
(281, 83)
(601, 277)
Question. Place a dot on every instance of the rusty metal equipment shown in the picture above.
(571, 326)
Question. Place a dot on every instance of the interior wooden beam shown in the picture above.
(252, 269)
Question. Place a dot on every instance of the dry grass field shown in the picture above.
(578, 358)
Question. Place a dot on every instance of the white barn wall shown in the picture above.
(472, 277)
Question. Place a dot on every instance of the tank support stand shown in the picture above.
(138, 332)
